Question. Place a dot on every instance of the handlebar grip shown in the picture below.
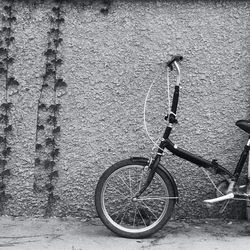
(176, 58)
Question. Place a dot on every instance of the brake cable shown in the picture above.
(145, 107)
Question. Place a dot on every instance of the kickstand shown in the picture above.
(224, 206)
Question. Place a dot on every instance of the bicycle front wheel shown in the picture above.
(121, 212)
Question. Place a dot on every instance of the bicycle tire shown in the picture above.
(149, 223)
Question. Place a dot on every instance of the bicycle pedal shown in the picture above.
(243, 188)
(208, 205)
(221, 198)
(224, 206)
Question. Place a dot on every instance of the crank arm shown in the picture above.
(224, 206)
(227, 197)
(221, 198)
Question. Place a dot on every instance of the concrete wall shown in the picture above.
(109, 62)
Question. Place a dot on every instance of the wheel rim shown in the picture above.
(130, 215)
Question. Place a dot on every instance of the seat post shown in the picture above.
(242, 160)
(248, 186)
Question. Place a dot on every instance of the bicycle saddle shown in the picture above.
(244, 124)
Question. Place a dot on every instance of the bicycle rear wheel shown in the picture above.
(129, 217)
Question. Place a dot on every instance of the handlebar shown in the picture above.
(175, 59)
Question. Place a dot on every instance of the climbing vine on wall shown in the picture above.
(7, 83)
(48, 110)
(106, 6)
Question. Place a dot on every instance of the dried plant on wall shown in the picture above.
(8, 84)
(48, 110)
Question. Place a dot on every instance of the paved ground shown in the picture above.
(73, 234)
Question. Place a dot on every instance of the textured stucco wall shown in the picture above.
(109, 64)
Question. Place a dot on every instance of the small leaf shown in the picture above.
(45, 85)
(6, 151)
(9, 40)
(8, 60)
(56, 197)
(55, 153)
(10, 19)
(50, 52)
(49, 65)
(8, 197)
(6, 172)
(105, 10)
(3, 139)
(54, 31)
(52, 120)
(107, 4)
(4, 197)
(6, 106)
(58, 41)
(37, 161)
(52, 198)
(39, 146)
(58, 21)
(2, 186)
(53, 174)
(36, 188)
(49, 187)
(49, 72)
(40, 127)
(60, 83)
(56, 10)
(8, 8)
(8, 129)
(3, 163)
(6, 29)
(54, 107)
(4, 118)
(42, 106)
(49, 69)
(3, 70)
(49, 164)
(11, 82)
(57, 62)
(56, 130)
(50, 141)
(3, 51)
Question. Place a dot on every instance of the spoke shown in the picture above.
(130, 186)
(123, 216)
(142, 217)
(149, 209)
(116, 190)
(125, 183)
(134, 217)
(156, 198)
(119, 211)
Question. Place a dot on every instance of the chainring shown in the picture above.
(222, 188)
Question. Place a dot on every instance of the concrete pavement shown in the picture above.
(74, 234)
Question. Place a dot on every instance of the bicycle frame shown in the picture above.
(166, 143)
(201, 162)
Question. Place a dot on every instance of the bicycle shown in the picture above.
(135, 197)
